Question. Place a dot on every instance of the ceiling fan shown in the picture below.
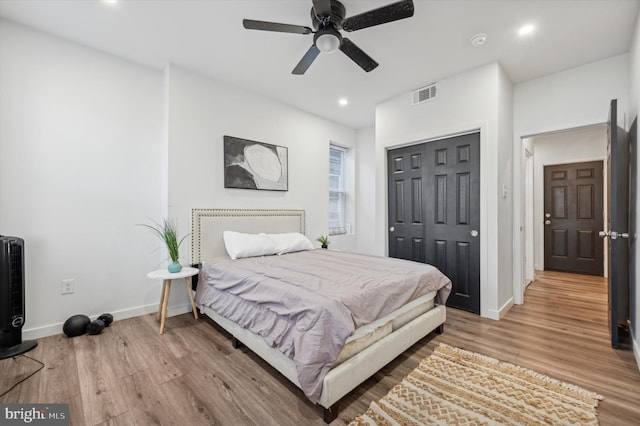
(328, 18)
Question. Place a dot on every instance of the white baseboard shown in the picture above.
(53, 329)
(497, 315)
(636, 347)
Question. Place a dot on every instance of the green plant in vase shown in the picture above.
(323, 240)
(167, 232)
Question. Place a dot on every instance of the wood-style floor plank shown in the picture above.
(148, 404)
(99, 384)
(145, 337)
(191, 375)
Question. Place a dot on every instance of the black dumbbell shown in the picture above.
(107, 319)
(95, 327)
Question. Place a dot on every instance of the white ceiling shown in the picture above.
(207, 36)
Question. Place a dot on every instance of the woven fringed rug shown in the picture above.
(457, 387)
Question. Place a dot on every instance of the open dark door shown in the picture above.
(617, 225)
(632, 137)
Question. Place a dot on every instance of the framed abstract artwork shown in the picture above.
(255, 165)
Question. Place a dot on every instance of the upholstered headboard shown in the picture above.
(207, 226)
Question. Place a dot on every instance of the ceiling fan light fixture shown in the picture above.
(328, 21)
(328, 40)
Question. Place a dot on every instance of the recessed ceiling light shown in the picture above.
(343, 101)
(478, 40)
(525, 30)
(111, 1)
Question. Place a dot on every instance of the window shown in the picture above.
(337, 191)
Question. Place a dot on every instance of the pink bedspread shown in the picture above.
(308, 303)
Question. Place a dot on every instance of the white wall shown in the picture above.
(634, 108)
(505, 192)
(579, 145)
(574, 98)
(202, 111)
(468, 101)
(366, 191)
(80, 137)
(91, 145)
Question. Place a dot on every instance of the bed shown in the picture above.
(356, 345)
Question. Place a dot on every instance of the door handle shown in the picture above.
(613, 234)
(547, 222)
(547, 215)
(392, 229)
(474, 233)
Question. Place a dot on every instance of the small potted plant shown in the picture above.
(323, 240)
(167, 232)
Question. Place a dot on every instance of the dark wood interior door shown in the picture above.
(434, 211)
(617, 225)
(453, 225)
(406, 169)
(632, 137)
(573, 216)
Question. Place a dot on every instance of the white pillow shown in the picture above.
(290, 242)
(241, 245)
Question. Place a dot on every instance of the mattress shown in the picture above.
(418, 327)
(369, 334)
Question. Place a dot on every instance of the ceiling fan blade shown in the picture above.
(392, 12)
(250, 24)
(357, 55)
(306, 60)
(322, 7)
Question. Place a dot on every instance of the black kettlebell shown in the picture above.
(76, 325)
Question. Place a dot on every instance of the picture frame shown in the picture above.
(255, 165)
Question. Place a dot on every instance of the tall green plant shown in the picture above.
(167, 233)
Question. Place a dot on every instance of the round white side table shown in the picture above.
(167, 277)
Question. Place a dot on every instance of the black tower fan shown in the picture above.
(12, 310)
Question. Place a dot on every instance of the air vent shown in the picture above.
(425, 94)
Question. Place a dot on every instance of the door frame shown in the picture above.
(486, 270)
(520, 181)
(528, 219)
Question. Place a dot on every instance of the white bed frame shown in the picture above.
(207, 226)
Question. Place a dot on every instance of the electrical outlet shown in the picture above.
(68, 286)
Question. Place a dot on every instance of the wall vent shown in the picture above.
(425, 94)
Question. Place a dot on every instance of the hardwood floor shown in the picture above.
(130, 375)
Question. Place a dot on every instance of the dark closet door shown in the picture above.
(573, 215)
(453, 220)
(434, 211)
(406, 203)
